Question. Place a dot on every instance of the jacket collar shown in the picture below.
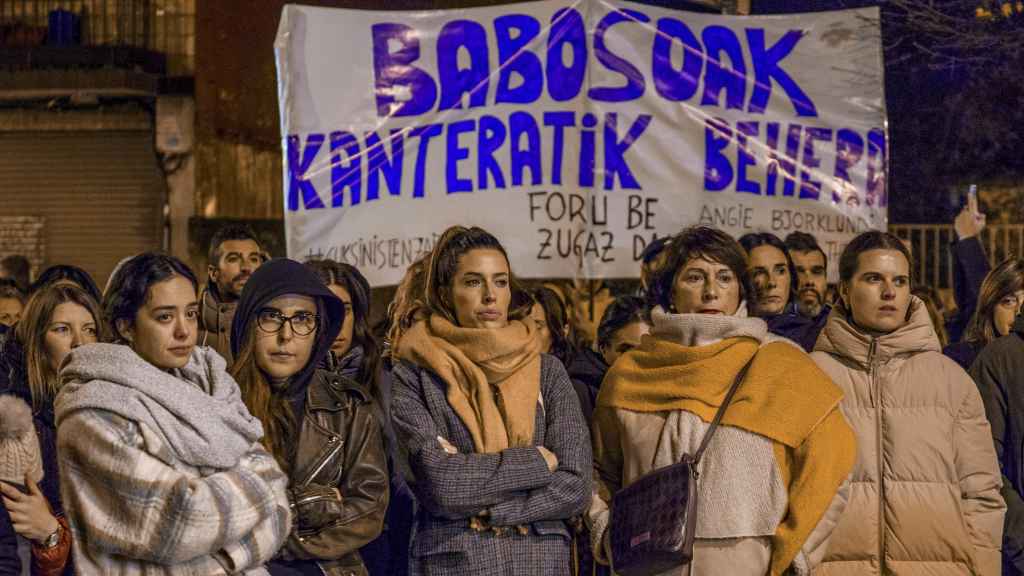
(328, 391)
(841, 337)
(213, 310)
(789, 319)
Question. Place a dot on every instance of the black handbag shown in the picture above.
(653, 519)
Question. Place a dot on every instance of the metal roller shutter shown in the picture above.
(101, 192)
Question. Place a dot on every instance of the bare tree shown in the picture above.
(954, 33)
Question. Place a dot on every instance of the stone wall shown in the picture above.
(24, 235)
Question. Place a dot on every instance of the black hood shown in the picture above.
(282, 276)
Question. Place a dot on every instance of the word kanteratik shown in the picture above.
(532, 147)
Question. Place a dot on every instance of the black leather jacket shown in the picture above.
(339, 483)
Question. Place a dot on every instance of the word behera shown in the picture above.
(786, 153)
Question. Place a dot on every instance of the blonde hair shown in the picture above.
(31, 334)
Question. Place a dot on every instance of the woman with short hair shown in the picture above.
(770, 486)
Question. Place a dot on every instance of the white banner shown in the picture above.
(574, 131)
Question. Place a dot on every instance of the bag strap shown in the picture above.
(721, 411)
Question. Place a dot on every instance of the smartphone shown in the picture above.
(964, 200)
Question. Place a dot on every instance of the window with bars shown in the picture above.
(166, 26)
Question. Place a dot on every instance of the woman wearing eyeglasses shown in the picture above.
(320, 426)
(1000, 297)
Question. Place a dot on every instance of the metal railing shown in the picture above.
(933, 260)
(164, 26)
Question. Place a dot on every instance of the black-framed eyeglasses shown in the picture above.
(272, 321)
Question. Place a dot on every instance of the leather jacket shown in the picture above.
(339, 483)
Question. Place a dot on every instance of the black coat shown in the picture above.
(798, 328)
(970, 266)
(999, 373)
(586, 371)
(14, 381)
(388, 555)
(10, 563)
(963, 353)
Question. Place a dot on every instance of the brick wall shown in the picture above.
(24, 235)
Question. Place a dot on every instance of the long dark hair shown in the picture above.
(444, 261)
(349, 278)
(758, 239)
(129, 287)
(624, 311)
(268, 401)
(1002, 281)
(558, 323)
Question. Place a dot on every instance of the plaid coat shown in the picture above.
(134, 511)
(514, 486)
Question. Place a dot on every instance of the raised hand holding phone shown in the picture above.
(970, 221)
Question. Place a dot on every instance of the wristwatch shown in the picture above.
(53, 539)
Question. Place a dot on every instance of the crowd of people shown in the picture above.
(258, 422)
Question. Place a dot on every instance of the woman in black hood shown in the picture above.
(319, 425)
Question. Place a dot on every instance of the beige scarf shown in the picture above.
(493, 376)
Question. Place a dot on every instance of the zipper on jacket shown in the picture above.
(876, 393)
(329, 453)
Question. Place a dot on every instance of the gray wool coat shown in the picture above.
(514, 486)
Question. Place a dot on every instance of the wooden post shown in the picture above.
(734, 7)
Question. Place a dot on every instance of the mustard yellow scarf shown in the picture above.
(493, 376)
(784, 397)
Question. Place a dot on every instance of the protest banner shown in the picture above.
(574, 131)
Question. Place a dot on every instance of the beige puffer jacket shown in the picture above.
(925, 494)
